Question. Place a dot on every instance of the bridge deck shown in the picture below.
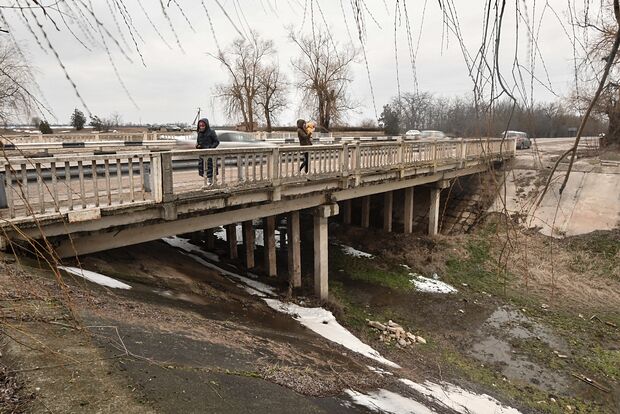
(52, 187)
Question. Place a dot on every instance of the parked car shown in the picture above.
(431, 134)
(523, 140)
(412, 134)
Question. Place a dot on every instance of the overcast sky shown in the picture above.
(176, 82)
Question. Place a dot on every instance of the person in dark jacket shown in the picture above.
(304, 139)
(206, 138)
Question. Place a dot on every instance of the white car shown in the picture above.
(412, 133)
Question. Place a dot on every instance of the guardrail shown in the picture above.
(36, 186)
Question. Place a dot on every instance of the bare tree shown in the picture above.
(600, 34)
(244, 61)
(324, 76)
(273, 91)
(15, 79)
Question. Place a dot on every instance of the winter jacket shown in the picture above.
(208, 138)
(304, 138)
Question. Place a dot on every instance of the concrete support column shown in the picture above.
(231, 237)
(346, 213)
(269, 236)
(366, 212)
(433, 214)
(321, 262)
(209, 239)
(294, 249)
(388, 201)
(408, 214)
(248, 243)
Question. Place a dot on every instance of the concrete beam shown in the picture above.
(365, 212)
(388, 204)
(248, 243)
(269, 239)
(408, 212)
(231, 238)
(433, 214)
(294, 248)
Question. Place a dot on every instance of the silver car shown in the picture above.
(228, 139)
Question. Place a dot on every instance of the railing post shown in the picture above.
(463, 156)
(167, 183)
(155, 178)
(273, 166)
(357, 156)
(434, 154)
(344, 159)
(401, 156)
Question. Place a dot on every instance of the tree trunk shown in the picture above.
(613, 131)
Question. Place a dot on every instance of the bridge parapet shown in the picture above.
(49, 187)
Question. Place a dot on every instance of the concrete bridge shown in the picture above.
(80, 204)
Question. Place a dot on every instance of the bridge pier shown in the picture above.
(408, 210)
(294, 248)
(388, 204)
(346, 212)
(433, 214)
(209, 239)
(365, 212)
(248, 243)
(269, 245)
(231, 237)
(321, 263)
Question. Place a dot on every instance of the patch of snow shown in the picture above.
(348, 250)
(188, 247)
(325, 324)
(384, 401)
(95, 277)
(379, 371)
(430, 285)
(458, 399)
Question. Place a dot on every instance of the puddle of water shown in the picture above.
(493, 347)
(95, 277)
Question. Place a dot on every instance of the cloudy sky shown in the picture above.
(175, 82)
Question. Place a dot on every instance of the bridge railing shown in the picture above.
(38, 186)
(84, 137)
(34, 186)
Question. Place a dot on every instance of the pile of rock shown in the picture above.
(393, 332)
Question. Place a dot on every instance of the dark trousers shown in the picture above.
(201, 168)
(304, 163)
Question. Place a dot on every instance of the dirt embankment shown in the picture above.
(184, 338)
